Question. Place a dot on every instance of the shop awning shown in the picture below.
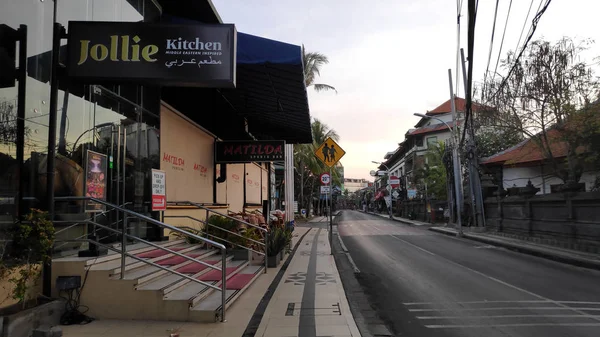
(270, 91)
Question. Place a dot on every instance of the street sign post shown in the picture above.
(325, 178)
(394, 181)
(330, 153)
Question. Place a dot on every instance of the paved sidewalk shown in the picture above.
(577, 258)
(238, 316)
(310, 299)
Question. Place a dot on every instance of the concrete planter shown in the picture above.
(15, 322)
(273, 261)
(241, 254)
(281, 255)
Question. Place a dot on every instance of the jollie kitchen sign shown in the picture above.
(165, 54)
(249, 151)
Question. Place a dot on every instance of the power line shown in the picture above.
(534, 24)
(525, 23)
(503, 34)
(487, 68)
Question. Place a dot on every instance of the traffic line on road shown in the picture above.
(413, 245)
(507, 308)
(515, 325)
(491, 302)
(502, 316)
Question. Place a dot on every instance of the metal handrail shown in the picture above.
(200, 206)
(216, 237)
(148, 262)
(213, 226)
(142, 217)
(189, 258)
(235, 244)
(125, 235)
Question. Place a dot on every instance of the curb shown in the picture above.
(539, 252)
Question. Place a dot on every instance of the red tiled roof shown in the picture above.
(431, 128)
(529, 152)
(446, 107)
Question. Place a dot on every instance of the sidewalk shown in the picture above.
(310, 299)
(577, 258)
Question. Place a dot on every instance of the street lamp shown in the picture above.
(456, 165)
(387, 173)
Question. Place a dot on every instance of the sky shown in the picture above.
(389, 59)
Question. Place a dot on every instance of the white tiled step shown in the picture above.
(187, 249)
(145, 272)
(191, 290)
(208, 306)
(170, 279)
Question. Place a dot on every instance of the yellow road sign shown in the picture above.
(330, 152)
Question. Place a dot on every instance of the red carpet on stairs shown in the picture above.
(194, 267)
(158, 252)
(215, 275)
(239, 281)
(173, 260)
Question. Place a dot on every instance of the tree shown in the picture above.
(547, 88)
(308, 166)
(433, 173)
(313, 61)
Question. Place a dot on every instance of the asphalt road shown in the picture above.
(422, 283)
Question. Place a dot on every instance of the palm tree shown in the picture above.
(307, 165)
(313, 62)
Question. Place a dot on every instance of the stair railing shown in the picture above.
(123, 249)
(208, 224)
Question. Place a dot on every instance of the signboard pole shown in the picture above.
(330, 216)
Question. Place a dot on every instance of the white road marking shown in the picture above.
(485, 302)
(577, 310)
(413, 245)
(517, 325)
(502, 316)
(508, 308)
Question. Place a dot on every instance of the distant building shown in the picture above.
(353, 185)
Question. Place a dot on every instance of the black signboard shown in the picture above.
(249, 151)
(164, 54)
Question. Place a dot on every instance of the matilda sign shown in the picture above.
(249, 151)
(182, 55)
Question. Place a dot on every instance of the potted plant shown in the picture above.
(31, 240)
(275, 245)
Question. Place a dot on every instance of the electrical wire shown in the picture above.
(75, 313)
(525, 23)
(532, 30)
(503, 35)
(487, 68)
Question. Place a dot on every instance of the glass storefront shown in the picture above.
(120, 122)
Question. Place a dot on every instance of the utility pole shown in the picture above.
(456, 160)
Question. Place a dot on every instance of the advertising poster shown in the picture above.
(95, 180)
(159, 190)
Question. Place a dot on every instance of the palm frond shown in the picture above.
(323, 87)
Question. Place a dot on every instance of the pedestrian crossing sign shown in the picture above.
(330, 152)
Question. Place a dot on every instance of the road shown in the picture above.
(428, 284)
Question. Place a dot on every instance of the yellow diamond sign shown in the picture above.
(330, 152)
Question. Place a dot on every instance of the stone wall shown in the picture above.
(571, 220)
